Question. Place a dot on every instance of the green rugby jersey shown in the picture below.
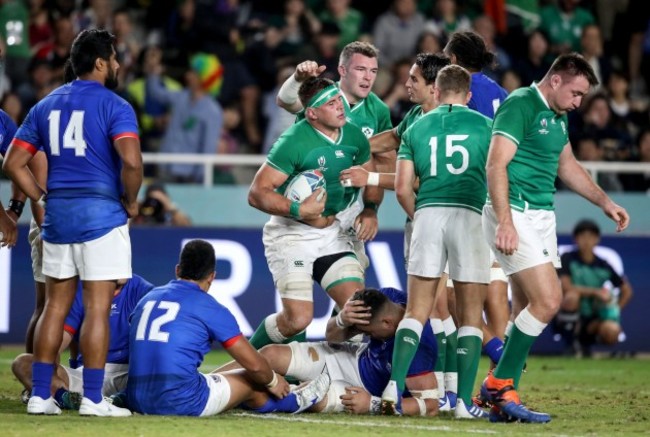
(410, 117)
(371, 115)
(301, 147)
(448, 146)
(540, 135)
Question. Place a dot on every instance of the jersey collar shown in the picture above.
(541, 96)
(349, 108)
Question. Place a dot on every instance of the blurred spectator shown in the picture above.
(446, 20)
(297, 26)
(640, 181)
(563, 23)
(588, 149)
(595, 119)
(510, 80)
(229, 143)
(10, 103)
(627, 114)
(196, 118)
(153, 116)
(484, 26)
(593, 292)
(609, 14)
(40, 24)
(349, 20)
(591, 47)
(39, 85)
(157, 208)
(396, 31)
(278, 120)
(324, 50)
(638, 23)
(534, 65)
(428, 42)
(127, 44)
(98, 15)
(397, 98)
(58, 51)
(14, 33)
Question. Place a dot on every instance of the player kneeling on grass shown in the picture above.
(172, 329)
(67, 382)
(360, 371)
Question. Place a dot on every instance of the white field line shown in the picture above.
(365, 424)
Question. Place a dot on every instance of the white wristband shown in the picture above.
(375, 405)
(289, 90)
(339, 321)
(274, 381)
(373, 179)
(41, 201)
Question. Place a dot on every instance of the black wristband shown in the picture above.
(371, 205)
(16, 206)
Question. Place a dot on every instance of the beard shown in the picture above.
(111, 80)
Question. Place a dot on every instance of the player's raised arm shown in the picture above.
(287, 97)
(385, 141)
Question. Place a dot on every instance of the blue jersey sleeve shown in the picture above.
(221, 324)
(123, 121)
(27, 136)
(7, 131)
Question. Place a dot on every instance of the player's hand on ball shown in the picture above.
(366, 225)
(281, 389)
(356, 400)
(308, 69)
(507, 239)
(354, 177)
(314, 205)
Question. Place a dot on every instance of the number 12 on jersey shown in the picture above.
(73, 136)
(451, 147)
(155, 330)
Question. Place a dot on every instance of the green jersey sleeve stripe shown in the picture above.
(276, 167)
(507, 135)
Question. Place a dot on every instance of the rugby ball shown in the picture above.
(303, 184)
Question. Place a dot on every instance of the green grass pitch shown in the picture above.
(609, 397)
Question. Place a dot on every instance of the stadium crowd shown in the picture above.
(251, 47)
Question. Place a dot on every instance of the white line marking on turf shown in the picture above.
(363, 423)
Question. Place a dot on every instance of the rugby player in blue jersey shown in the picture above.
(173, 327)
(90, 137)
(67, 380)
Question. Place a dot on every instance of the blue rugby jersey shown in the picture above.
(172, 329)
(76, 126)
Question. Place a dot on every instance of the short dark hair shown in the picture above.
(453, 79)
(430, 64)
(586, 225)
(89, 45)
(573, 64)
(197, 260)
(373, 298)
(361, 47)
(470, 50)
(311, 87)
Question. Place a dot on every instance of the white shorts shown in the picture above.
(346, 220)
(219, 394)
(453, 235)
(308, 360)
(408, 234)
(34, 238)
(105, 258)
(115, 377)
(292, 247)
(537, 239)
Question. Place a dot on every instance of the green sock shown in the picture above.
(300, 337)
(407, 340)
(439, 332)
(260, 337)
(514, 355)
(451, 361)
(469, 353)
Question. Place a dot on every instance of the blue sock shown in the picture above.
(289, 404)
(93, 381)
(58, 396)
(494, 349)
(42, 379)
